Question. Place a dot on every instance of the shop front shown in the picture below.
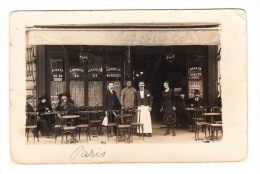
(83, 60)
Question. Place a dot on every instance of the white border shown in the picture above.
(252, 8)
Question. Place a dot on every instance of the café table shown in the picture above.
(48, 116)
(211, 115)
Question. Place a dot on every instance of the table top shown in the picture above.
(211, 114)
(48, 113)
(71, 116)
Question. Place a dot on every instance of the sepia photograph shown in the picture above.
(115, 86)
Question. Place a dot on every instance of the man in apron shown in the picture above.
(144, 102)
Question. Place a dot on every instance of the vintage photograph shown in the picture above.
(126, 84)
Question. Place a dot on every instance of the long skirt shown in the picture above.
(145, 118)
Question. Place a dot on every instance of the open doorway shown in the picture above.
(150, 63)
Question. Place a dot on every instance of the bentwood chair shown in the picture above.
(217, 124)
(216, 109)
(112, 122)
(83, 123)
(200, 122)
(94, 119)
(136, 124)
(31, 125)
(58, 123)
(124, 126)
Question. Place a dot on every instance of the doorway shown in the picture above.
(149, 64)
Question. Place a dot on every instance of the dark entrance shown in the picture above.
(150, 63)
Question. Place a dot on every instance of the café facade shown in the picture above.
(82, 59)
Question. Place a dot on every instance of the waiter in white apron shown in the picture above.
(144, 102)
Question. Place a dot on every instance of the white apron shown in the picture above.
(145, 118)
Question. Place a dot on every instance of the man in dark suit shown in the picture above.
(111, 102)
(197, 101)
(144, 102)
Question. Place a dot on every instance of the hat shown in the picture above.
(29, 96)
(64, 94)
(196, 91)
(42, 97)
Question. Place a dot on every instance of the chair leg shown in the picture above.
(89, 133)
(62, 134)
(79, 133)
(143, 131)
(117, 132)
(27, 134)
(139, 129)
(173, 130)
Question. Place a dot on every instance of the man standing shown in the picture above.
(144, 102)
(111, 102)
(128, 96)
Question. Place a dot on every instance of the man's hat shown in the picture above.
(29, 96)
(196, 91)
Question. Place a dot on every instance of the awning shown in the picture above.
(123, 36)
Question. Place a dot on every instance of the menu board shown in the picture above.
(195, 73)
(195, 84)
(57, 70)
(113, 73)
(76, 73)
(95, 73)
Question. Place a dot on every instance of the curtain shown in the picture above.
(95, 93)
(77, 92)
(57, 88)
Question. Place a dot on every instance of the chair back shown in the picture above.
(215, 109)
(199, 115)
(84, 117)
(31, 118)
(115, 114)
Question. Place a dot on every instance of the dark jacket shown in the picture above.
(68, 106)
(171, 96)
(29, 108)
(147, 100)
(110, 101)
(42, 107)
(195, 103)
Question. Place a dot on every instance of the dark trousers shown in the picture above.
(43, 127)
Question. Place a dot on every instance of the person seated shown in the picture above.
(196, 102)
(44, 106)
(66, 103)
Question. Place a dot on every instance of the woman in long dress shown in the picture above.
(168, 107)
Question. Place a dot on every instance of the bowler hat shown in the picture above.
(196, 91)
(29, 96)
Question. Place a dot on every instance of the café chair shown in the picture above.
(136, 124)
(94, 119)
(58, 123)
(200, 122)
(215, 127)
(31, 125)
(216, 109)
(111, 115)
(124, 125)
(83, 123)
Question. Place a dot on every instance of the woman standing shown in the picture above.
(168, 107)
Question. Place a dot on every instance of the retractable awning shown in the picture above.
(119, 36)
